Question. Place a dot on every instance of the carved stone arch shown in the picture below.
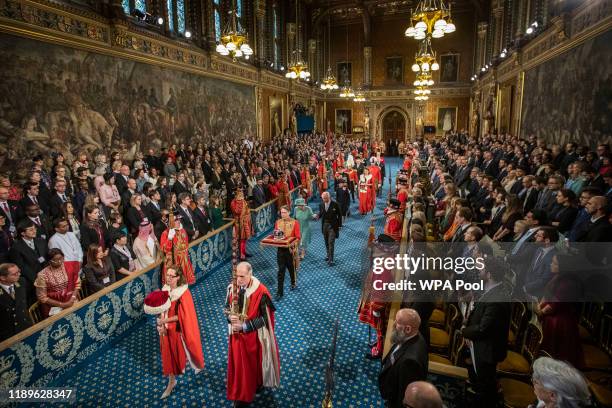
(390, 109)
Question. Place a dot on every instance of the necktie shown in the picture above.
(37, 221)
(538, 258)
(63, 198)
(12, 291)
(31, 245)
(34, 200)
(7, 211)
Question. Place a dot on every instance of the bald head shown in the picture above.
(596, 206)
(421, 394)
(407, 321)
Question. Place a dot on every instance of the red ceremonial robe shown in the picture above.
(366, 194)
(252, 359)
(177, 250)
(402, 196)
(393, 224)
(182, 341)
(306, 182)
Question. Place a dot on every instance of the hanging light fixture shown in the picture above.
(234, 40)
(346, 90)
(360, 95)
(298, 68)
(425, 59)
(329, 82)
(430, 18)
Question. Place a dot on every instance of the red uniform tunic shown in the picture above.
(402, 196)
(253, 360)
(393, 225)
(182, 339)
(321, 177)
(177, 250)
(283, 194)
(366, 194)
(242, 215)
(306, 182)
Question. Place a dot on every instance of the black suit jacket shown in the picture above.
(26, 201)
(488, 326)
(121, 184)
(90, 236)
(599, 231)
(179, 188)
(14, 210)
(410, 364)
(202, 221)
(14, 316)
(29, 260)
(152, 213)
(189, 224)
(55, 206)
(45, 229)
(332, 216)
(259, 196)
(530, 200)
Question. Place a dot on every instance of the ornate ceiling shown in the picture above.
(347, 10)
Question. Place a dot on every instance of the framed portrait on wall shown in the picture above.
(345, 72)
(276, 116)
(344, 121)
(449, 67)
(446, 120)
(395, 70)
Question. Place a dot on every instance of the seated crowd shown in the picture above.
(74, 228)
(539, 204)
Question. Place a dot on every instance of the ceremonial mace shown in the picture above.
(234, 307)
(329, 371)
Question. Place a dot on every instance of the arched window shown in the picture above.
(217, 13)
(129, 5)
(176, 15)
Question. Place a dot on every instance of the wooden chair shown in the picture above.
(34, 312)
(597, 357)
(438, 316)
(518, 321)
(518, 364)
(456, 349)
(440, 339)
(590, 318)
(517, 394)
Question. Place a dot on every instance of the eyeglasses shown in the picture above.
(171, 276)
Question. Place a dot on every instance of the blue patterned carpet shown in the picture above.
(128, 374)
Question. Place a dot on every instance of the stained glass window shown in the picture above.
(126, 6)
(170, 4)
(239, 8)
(275, 23)
(180, 15)
(141, 5)
(217, 25)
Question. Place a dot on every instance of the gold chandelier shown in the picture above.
(360, 95)
(347, 91)
(423, 79)
(298, 68)
(234, 40)
(425, 59)
(431, 18)
(329, 82)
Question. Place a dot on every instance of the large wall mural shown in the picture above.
(568, 98)
(54, 98)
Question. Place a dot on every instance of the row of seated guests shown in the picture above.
(520, 195)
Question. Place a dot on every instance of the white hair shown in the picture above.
(246, 265)
(565, 381)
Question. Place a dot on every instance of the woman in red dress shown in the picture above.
(560, 316)
(366, 192)
(179, 332)
(57, 287)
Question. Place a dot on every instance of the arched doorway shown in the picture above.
(393, 128)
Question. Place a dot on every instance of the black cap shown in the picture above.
(394, 203)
